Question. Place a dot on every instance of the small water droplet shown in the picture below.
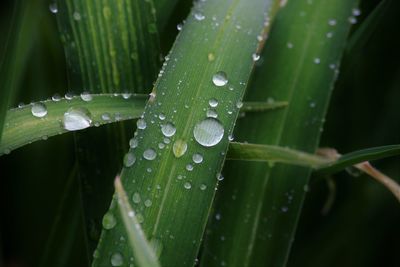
(109, 221)
(203, 187)
(69, 96)
(86, 96)
(179, 148)
(211, 113)
(356, 12)
(141, 124)
(187, 185)
(133, 143)
(106, 117)
(189, 167)
(168, 129)
(332, 22)
(179, 27)
(239, 104)
(148, 203)
(129, 159)
(117, 259)
(213, 102)
(53, 7)
(149, 154)
(161, 145)
(230, 138)
(329, 34)
(76, 16)
(56, 97)
(136, 198)
(289, 45)
(352, 20)
(76, 119)
(220, 79)
(39, 110)
(197, 158)
(161, 116)
(317, 60)
(208, 132)
(219, 177)
(284, 209)
(126, 95)
(166, 140)
(199, 16)
(255, 57)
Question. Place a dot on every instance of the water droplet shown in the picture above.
(197, 158)
(230, 138)
(220, 79)
(179, 148)
(129, 159)
(168, 129)
(203, 187)
(239, 104)
(187, 185)
(208, 132)
(126, 95)
(284, 209)
(148, 203)
(136, 198)
(189, 167)
(329, 34)
(352, 20)
(312, 104)
(106, 117)
(117, 259)
(218, 216)
(161, 116)
(39, 110)
(356, 12)
(69, 96)
(317, 60)
(141, 124)
(213, 102)
(161, 145)
(109, 221)
(53, 7)
(76, 16)
(56, 97)
(149, 154)
(211, 113)
(179, 27)
(133, 143)
(166, 140)
(199, 16)
(289, 45)
(86, 96)
(76, 119)
(332, 22)
(220, 177)
(255, 57)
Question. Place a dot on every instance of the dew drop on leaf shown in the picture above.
(189, 167)
(141, 124)
(187, 185)
(211, 113)
(208, 132)
(129, 159)
(86, 96)
(203, 187)
(117, 259)
(220, 79)
(76, 119)
(197, 158)
(199, 16)
(53, 7)
(255, 57)
(39, 110)
(133, 143)
(136, 198)
(106, 116)
(179, 148)
(148, 203)
(149, 154)
(168, 129)
(109, 221)
(213, 102)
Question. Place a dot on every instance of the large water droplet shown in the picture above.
(208, 132)
(141, 124)
(149, 154)
(197, 158)
(179, 148)
(117, 259)
(109, 221)
(129, 159)
(220, 78)
(39, 110)
(168, 129)
(76, 119)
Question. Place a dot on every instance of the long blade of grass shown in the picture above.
(175, 192)
(144, 253)
(22, 127)
(259, 205)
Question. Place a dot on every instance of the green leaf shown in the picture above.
(259, 205)
(274, 154)
(144, 253)
(358, 156)
(22, 127)
(161, 168)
